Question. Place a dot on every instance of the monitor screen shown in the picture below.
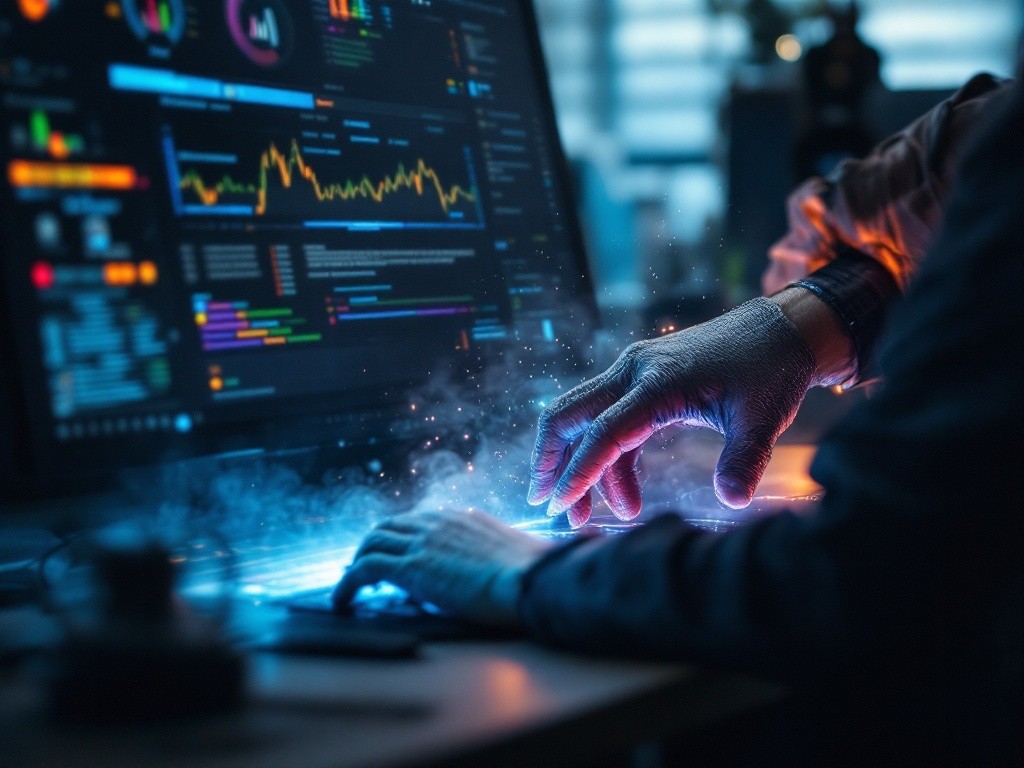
(254, 223)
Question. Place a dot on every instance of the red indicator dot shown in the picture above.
(42, 275)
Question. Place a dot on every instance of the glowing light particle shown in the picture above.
(120, 273)
(42, 275)
(788, 48)
(34, 10)
(148, 273)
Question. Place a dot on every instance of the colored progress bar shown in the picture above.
(27, 174)
(233, 325)
(488, 329)
(378, 302)
(344, 10)
(126, 77)
(344, 314)
(371, 226)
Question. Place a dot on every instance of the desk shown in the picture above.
(461, 704)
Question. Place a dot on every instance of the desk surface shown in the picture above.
(479, 703)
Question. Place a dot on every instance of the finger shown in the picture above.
(363, 571)
(579, 513)
(566, 455)
(622, 428)
(744, 457)
(385, 542)
(561, 424)
(620, 486)
(405, 523)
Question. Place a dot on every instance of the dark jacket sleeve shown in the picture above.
(913, 558)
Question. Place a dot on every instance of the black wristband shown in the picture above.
(860, 291)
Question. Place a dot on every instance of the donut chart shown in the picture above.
(156, 21)
(262, 30)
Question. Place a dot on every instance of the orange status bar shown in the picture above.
(26, 173)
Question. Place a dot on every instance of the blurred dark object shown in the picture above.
(838, 77)
(767, 23)
(135, 651)
(765, 19)
(137, 584)
(21, 551)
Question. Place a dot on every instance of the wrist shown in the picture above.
(505, 590)
(506, 585)
(858, 290)
(835, 359)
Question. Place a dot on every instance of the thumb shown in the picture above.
(741, 464)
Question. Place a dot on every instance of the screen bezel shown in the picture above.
(324, 423)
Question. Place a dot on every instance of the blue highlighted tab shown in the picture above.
(349, 288)
(273, 97)
(126, 77)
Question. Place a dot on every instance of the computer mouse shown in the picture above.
(385, 599)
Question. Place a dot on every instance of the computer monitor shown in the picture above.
(236, 224)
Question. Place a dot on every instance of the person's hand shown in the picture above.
(466, 563)
(743, 374)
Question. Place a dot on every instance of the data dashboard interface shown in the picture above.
(216, 214)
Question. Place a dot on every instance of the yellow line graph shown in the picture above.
(421, 178)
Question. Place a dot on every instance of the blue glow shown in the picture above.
(375, 225)
(126, 77)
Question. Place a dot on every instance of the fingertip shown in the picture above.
(624, 504)
(564, 500)
(356, 575)
(579, 513)
(626, 512)
(341, 598)
(537, 494)
(620, 488)
(732, 492)
(556, 507)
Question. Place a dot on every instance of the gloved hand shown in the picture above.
(887, 205)
(467, 563)
(743, 374)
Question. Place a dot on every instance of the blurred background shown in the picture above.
(687, 122)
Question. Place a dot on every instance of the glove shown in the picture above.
(743, 374)
(466, 563)
(887, 205)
